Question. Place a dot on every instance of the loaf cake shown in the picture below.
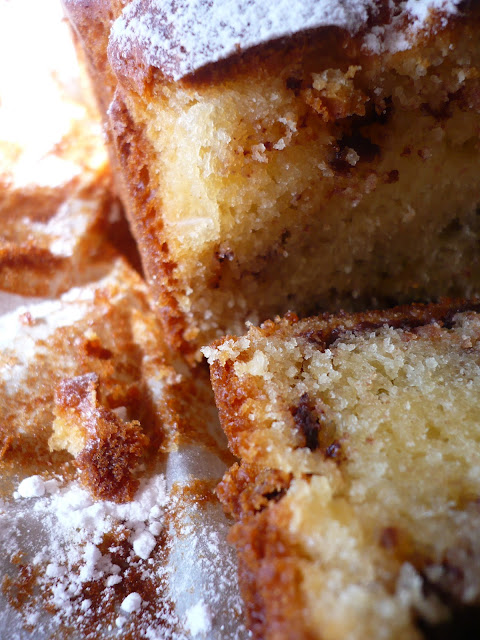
(357, 493)
(279, 156)
(58, 212)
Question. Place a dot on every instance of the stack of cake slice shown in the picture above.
(57, 208)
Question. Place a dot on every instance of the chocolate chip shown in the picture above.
(389, 538)
(294, 84)
(307, 421)
(392, 176)
(334, 450)
(318, 430)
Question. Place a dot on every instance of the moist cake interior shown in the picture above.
(308, 179)
(360, 445)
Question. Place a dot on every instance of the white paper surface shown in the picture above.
(198, 575)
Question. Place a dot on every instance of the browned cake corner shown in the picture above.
(107, 446)
(330, 167)
(88, 373)
(359, 483)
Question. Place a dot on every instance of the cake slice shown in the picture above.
(357, 494)
(278, 156)
(57, 206)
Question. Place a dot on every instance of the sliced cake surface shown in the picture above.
(320, 158)
(357, 496)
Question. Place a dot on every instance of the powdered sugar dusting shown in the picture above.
(78, 566)
(84, 553)
(198, 619)
(87, 555)
(207, 589)
(101, 568)
(132, 602)
(394, 36)
(32, 487)
(181, 37)
(76, 526)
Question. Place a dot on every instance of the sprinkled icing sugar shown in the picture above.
(198, 619)
(393, 37)
(76, 529)
(132, 602)
(182, 37)
(32, 487)
(84, 552)
(76, 559)
(77, 524)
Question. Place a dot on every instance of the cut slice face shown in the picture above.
(359, 484)
(325, 157)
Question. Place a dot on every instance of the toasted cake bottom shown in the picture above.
(357, 498)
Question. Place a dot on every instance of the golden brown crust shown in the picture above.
(326, 41)
(246, 490)
(271, 571)
(269, 580)
(91, 21)
(267, 572)
(273, 56)
(230, 398)
(131, 154)
(111, 447)
(268, 562)
(136, 71)
(326, 328)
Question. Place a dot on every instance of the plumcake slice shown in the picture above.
(291, 155)
(357, 497)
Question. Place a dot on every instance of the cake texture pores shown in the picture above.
(357, 490)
